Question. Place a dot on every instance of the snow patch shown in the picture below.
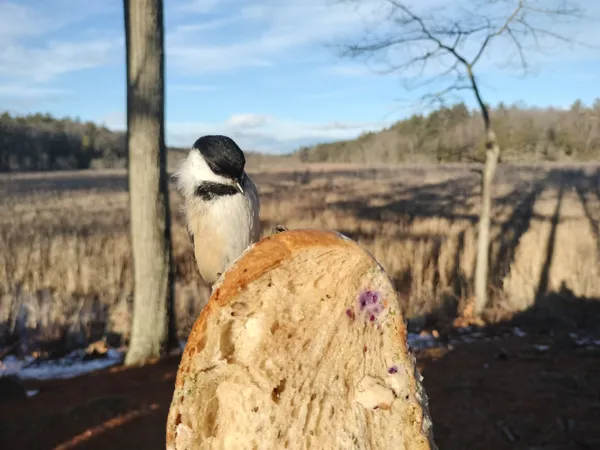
(79, 362)
(72, 365)
(518, 332)
(423, 341)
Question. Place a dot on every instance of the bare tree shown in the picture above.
(441, 47)
(152, 328)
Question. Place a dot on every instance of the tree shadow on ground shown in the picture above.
(442, 200)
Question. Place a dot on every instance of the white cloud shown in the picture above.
(31, 92)
(257, 132)
(203, 59)
(247, 121)
(19, 21)
(276, 32)
(347, 70)
(22, 21)
(30, 54)
(21, 98)
(54, 58)
(265, 35)
(269, 134)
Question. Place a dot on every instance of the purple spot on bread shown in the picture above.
(350, 313)
(372, 297)
(368, 298)
(392, 370)
(370, 303)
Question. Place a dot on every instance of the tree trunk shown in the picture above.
(152, 332)
(492, 155)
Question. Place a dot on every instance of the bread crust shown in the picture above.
(253, 263)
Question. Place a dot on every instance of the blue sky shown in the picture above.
(259, 71)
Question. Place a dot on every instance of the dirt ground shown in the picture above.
(495, 394)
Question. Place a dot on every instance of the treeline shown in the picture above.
(455, 134)
(42, 142)
(38, 142)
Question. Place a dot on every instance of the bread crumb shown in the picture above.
(373, 395)
(183, 437)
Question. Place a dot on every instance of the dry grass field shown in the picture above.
(65, 264)
(65, 272)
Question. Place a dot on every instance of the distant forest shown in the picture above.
(455, 134)
(40, 142)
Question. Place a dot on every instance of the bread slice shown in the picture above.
(301, 345)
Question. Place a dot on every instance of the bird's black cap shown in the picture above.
(222, 155)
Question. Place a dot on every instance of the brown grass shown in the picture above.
(65, 264)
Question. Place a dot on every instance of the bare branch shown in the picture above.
(452, 70)
(357, 50)
(451, 45)
(497, 33)
(437, 98)
(519, 48)
(428, 33)
(462, 33)
(535, 31)
(571, 12)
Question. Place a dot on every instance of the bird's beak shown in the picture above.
(238, 186)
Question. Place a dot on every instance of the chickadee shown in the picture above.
(221, 204)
